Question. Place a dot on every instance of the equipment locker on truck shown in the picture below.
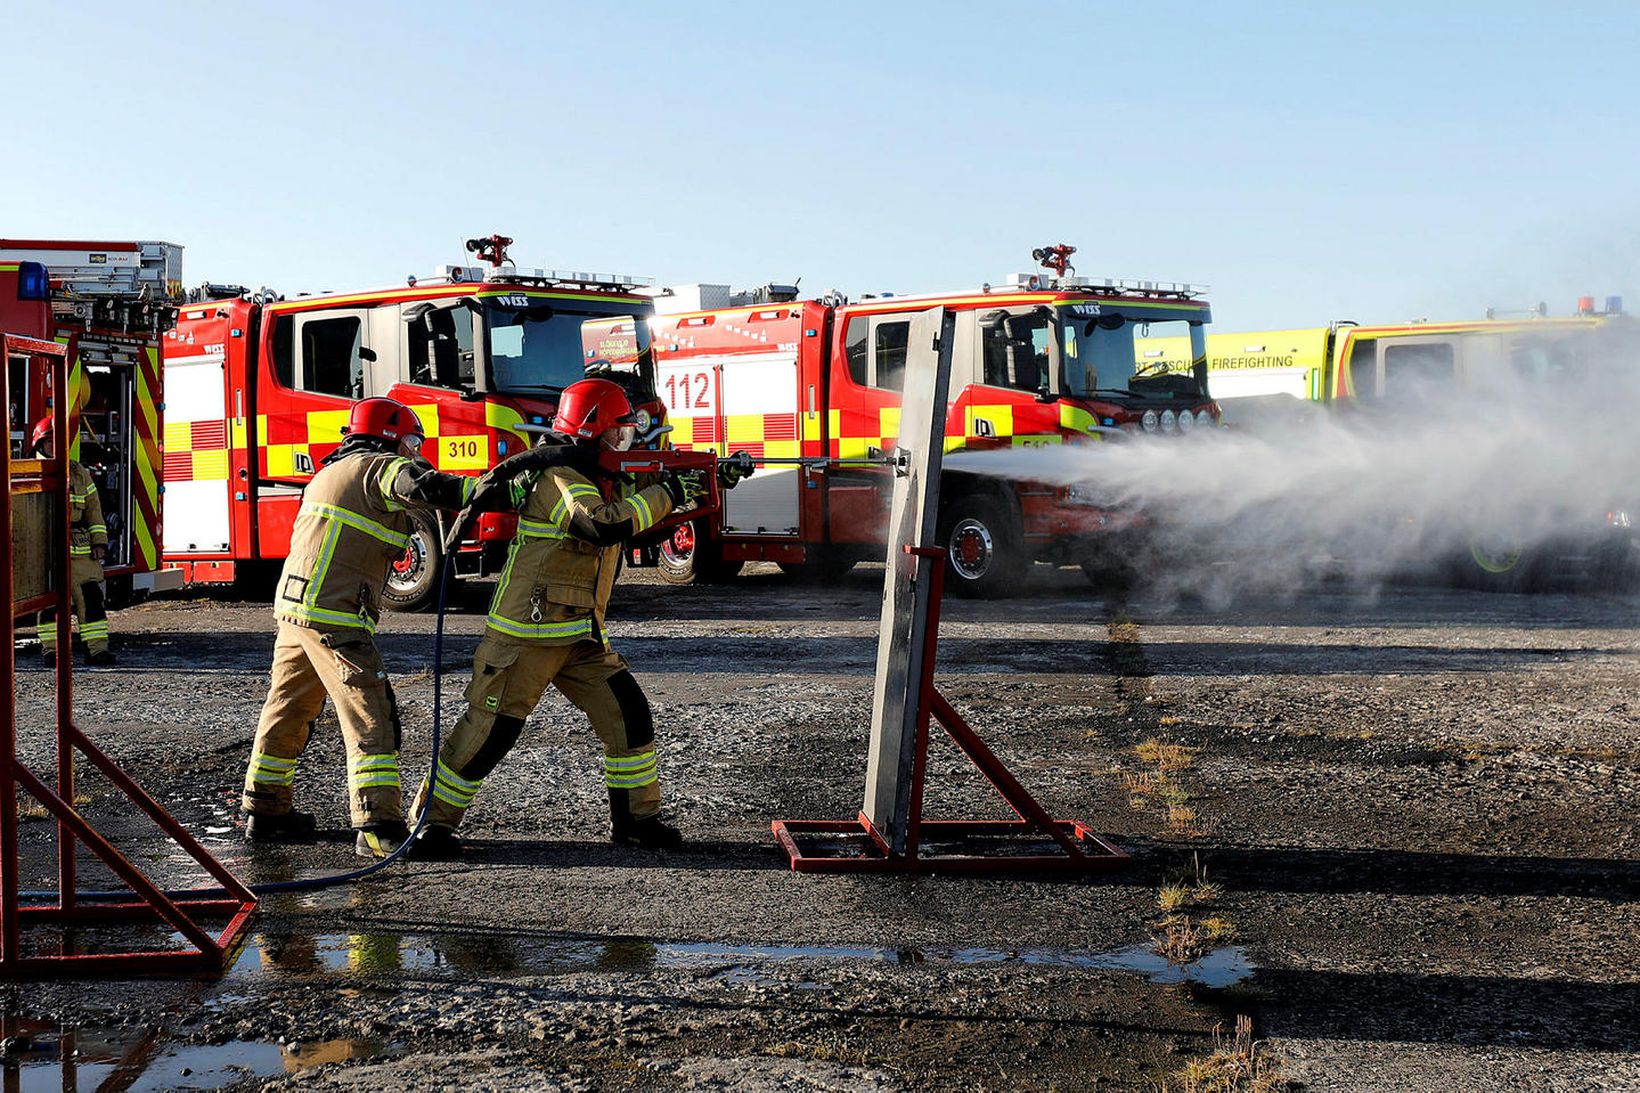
(109, 303)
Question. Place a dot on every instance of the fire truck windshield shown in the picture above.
(1112, 355)
(541, 347)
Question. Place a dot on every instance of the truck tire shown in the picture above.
(986, 556)
(1499, 565)
(682, 560)
(412, 583)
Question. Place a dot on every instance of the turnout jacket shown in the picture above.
(86, 528)
(561, 567)
(354, 523)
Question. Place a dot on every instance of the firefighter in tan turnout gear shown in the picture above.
(546, 627)
(87, 546)
(353, 524)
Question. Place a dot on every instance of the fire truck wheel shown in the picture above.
(983, 539)
(1499, 564)
(681, 560)
(412, 583)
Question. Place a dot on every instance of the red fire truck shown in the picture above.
(258, 389)
(109, 302)
(1042, 359)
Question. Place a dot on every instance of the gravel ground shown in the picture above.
(1417, 804)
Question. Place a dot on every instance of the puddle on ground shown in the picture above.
(496, 954)
(43, 1057)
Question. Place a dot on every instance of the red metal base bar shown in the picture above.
(1036, 842)
(948, 846)
(208, 953)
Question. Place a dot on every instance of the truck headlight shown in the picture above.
(1169, 419)
(1148, 422)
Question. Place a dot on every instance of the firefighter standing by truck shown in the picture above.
(87, 547)
(353, 524)
(546, 627)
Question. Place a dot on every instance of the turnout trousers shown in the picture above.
(309, 664)
(89, 608)
(509, 678)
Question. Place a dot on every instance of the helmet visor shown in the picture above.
(619, 438)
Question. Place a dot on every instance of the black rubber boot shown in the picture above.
(650, 833)
(49, 658)
(103, 659)
(436, 843)
(380, 839)
(282, 827)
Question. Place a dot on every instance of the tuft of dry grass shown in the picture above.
(1206, 892)
(1172, 897)
(1167, 720)
(1181, 940)
(30, 809)
(1181, 820)
(1239, 1064)
(1166, 757)
(1172, 793)
(1218, 928)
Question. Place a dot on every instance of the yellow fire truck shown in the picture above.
(1263, 376)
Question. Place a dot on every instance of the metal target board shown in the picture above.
(904, 632)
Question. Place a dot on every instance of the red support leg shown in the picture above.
(149, 903)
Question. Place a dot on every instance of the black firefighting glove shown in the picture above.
(685, 488)
(731, 471)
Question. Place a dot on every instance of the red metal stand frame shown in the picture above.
(238, 903)
(863, 848)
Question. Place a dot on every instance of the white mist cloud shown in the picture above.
(1373, 492)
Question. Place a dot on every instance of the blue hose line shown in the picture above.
(307, 884)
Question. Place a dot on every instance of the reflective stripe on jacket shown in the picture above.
(560, 569)
(353, 525)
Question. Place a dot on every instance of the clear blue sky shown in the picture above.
(1309, 162)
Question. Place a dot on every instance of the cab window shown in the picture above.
(1014, 350)
(1363, 366)
(854, 348)
(331, 362)
(284, 350)
(889, 342)
(441, 349)
(1431, 364)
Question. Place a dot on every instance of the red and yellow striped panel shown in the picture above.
(146, 461)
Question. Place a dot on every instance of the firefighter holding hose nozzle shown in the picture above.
(354, 523)
(546, 627)
(87, 546)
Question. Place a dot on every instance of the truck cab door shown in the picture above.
(329, 351)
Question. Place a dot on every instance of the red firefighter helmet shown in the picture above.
(384, 418)
(589, 407)
(42, 430)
